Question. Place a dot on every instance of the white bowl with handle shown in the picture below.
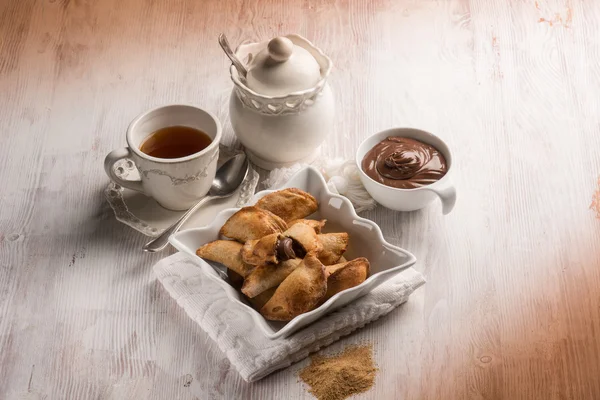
(409, 199)
(366, 240)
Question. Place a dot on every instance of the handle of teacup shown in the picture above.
(447, 195)
(109, 163)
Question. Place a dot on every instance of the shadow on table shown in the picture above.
(105, 234)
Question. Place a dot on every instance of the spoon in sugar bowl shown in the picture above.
(283, 97)
(228, 178)
(234, 60)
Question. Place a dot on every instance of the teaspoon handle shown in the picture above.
(161, 241)
(234, 60)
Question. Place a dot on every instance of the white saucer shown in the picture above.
(143, 213)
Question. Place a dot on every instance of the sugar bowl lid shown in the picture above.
(282, 68)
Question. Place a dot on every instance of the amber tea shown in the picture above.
(175, 142)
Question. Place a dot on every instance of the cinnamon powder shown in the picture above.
(340, 376)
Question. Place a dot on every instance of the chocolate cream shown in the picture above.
(404, 163)
(285, 249)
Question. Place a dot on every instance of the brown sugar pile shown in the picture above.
(342, 375)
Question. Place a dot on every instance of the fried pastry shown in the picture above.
(305, 236)
(345, 275)
(252, 223)
(299, 292)
(333, 246)
(262, 251)
(259, 301)
(226, 252)
(267, 276)
(289, 204)
(271, 249)
(315, 224)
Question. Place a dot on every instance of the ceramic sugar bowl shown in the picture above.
(283, 109)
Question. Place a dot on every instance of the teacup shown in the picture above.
(409, 199)
(175, 183)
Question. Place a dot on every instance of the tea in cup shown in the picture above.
(175, 149)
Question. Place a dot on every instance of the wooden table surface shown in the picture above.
(511, 309)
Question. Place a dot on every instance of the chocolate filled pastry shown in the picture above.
(267, 276)
(313, 223)
(305, 236)
(289, 204)
(252, 223)
(259, 301)
(271, 249)
(226, 252)
(299, 292)
(334, 245)
(345, 275)
(262, 251)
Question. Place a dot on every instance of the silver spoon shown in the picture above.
(234, 60)
(228, 178)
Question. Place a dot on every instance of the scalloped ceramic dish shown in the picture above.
(366, 240)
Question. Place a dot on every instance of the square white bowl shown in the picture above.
(366, 240)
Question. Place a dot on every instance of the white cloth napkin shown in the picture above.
(249, 351)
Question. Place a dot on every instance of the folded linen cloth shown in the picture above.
(249, 351)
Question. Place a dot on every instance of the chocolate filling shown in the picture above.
(285, 249)
(298, 249)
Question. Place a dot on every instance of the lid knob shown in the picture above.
(280, 49)
(281, 67)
